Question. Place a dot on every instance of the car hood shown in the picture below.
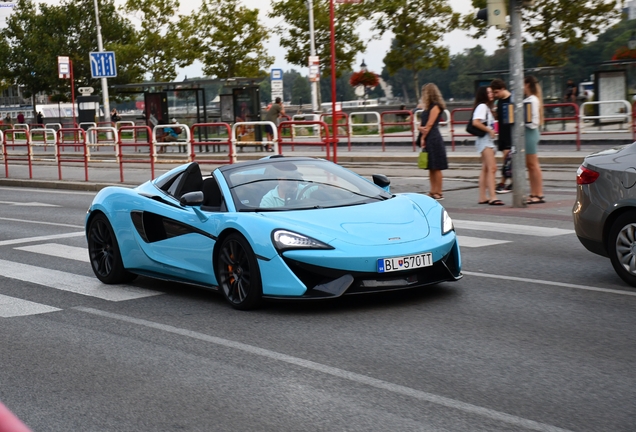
(397, 220)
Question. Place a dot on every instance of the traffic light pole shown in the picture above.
(516, 85)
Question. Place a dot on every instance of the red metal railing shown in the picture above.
(203, 131)
(78, 144)
(325, 140)
(20, 156)
(135, 143)
(407, 122)
(563, 118)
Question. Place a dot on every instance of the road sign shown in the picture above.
(277, 74)
(63, 67)
(277, 84)
(314, 68)
(103, 64)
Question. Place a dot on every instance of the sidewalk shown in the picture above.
(559, 163)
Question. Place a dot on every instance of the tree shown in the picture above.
(230, 39)
(418, 28)
(301, 91)
(294, 34)
(30, 49)
(555, 26)
(164, 40)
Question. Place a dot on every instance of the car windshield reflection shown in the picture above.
(299, 185)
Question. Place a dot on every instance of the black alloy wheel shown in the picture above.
(238, 273)
(104, 254)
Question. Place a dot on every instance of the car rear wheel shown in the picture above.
(104, 254)
(238, 273)
(622, 247)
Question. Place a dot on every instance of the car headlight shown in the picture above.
(285, 240)
(447, 223)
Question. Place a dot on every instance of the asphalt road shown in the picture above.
(538, 335)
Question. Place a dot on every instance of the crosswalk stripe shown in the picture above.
(40, 222)
(510, 228)
(58, 250)
(12, 307)
(475, 242)
(40, 238)
(70, 282)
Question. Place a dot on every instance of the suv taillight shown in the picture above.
(585, 175)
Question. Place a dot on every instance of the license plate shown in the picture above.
(386, 265)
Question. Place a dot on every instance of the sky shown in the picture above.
(457, 41)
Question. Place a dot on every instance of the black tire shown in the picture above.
(238, 273)
(621, 246)
(104, 254)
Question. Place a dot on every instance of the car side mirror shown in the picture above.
(381, 180)
(191, 199)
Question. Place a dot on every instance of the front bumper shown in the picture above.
(322, 282)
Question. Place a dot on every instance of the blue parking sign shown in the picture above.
(103, 64)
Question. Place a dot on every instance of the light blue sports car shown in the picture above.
(279, 227)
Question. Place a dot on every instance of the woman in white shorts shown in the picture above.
(484, 120)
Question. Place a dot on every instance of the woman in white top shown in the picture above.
(483, 119)
(532, 91)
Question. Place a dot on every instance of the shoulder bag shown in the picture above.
(471, 129)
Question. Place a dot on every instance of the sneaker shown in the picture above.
(501, 188)
(509, 188)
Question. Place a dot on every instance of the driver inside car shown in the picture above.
(288, 189)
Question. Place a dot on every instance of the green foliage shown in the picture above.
(555, 26)
(30, 49)
(294, 33)
(418, 28)
(229, 39)
(163, 42)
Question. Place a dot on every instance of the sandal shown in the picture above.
(483, 202)
(535, 199)
(436, 196)
(496, 202)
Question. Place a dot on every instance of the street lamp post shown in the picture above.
(334, 123)
(100, 47)
(312, 49)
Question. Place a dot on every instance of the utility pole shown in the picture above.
(100, 47)
(516, 85)
(315, 84)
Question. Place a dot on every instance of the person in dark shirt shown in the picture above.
(503, 96)
(571, 92)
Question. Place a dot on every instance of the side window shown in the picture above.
(172, 186)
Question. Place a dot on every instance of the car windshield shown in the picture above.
(281, 185)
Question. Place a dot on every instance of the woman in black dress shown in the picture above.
(431, 140)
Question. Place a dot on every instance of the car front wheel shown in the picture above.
(622, 247)
(104, 254)
(238, 273)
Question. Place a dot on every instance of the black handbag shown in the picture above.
(471, 129)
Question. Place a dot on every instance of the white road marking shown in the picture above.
(47, 191)
(41, 223)
(475, 242)
(58, 250)
(41, 238)
(88, 286)
(13, 307)
(339, 373)
(543, 282)
(510, 228)
(28, 204)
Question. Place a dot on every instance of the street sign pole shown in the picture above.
(72, 91)
(100, 47)
(516, 85)
(334, 122)
(315, 84)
